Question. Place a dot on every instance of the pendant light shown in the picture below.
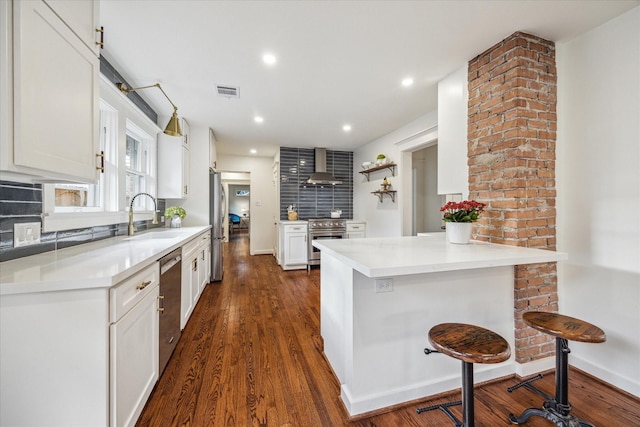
(173, 127)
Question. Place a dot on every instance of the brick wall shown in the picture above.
(511, 148)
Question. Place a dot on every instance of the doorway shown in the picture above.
(425, 198)
(237, 187)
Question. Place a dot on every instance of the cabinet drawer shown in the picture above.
(355, 227)
(125, 295)
(295, 228)
(190, 247)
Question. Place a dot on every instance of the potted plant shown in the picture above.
(459, 217)
(176, 214)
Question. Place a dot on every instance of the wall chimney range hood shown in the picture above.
(321, 176)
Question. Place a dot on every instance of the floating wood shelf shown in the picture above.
(390, 166)
(381, 193)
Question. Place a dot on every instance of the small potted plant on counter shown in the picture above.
(176, 214)
(459, 217)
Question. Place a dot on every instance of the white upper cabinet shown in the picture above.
(54, 104)
(453, 96)
(173, 164)
(83, 19)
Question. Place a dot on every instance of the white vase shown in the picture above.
(176, 222)
(459, 232)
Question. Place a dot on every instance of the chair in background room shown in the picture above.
(234, 222)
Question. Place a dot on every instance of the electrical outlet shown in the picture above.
(26, 233)
(384, 285)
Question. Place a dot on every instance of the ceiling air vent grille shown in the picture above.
(228, 91)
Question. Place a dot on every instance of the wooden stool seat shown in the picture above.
(469, 343)
(564, 328)
(559, 325)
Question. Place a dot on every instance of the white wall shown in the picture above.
(386, 219)
(598, 183)
(264, 205)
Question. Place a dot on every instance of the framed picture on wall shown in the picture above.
(242, 193)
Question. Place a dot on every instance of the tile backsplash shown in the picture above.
(23, 203)
(315, 201)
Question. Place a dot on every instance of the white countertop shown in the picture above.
(396, 256)
(100, 264)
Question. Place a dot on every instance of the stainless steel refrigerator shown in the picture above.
(217, 206)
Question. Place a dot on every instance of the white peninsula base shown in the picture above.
(375, 331)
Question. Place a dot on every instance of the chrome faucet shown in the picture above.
(155, 208)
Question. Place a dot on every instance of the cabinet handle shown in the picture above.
(194, 265)
(143, 285)
(101, 167)
(186, 190)
(101, 42)
(161, 306)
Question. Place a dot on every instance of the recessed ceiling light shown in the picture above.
(258, 119)
(346, 128)
(253, 151)
(269, 59)
(406, 82)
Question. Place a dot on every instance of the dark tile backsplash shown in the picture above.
(315, 201)
(23, 203)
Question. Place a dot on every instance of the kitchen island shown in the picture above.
(380, 296)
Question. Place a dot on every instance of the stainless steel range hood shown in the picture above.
(321, 176)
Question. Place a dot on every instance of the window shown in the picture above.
(139, 167)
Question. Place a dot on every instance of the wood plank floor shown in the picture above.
(249, 356)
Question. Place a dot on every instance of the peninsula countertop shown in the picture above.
(99, 264)
(396, 256)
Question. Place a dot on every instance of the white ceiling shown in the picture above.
(338, 62)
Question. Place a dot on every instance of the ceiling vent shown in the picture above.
(228, 91)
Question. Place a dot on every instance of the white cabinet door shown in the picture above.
(186, 300)
(134, 360)
(56, 97)
(295, 246)
(174, 164)
(82, 17)
(204, 266)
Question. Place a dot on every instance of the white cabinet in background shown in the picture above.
(134, 347)
(294, 245)
(173, 164)
(49, 95)
(453, 97)
(356, 229)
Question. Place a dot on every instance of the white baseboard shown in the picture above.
(367, 403)
(613, 378)
(524, 370)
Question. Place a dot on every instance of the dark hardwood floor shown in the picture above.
(250, 356)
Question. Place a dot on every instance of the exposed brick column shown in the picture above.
(511, 148)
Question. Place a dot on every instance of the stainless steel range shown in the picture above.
(323, 228)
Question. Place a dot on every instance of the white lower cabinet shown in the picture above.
(134, 348)
(294, 245)
(196, 270)
(356, 229)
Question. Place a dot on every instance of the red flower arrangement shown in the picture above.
(465, 211)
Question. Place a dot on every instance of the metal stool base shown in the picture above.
(555, 409)
(444, 407)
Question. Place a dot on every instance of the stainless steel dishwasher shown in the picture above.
(170, 290)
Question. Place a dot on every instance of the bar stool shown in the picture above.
(557, 409)
(470, 344)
